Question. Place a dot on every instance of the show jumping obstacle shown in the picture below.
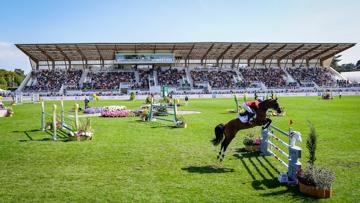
(152, 117)
(54, 119)
(293, 165)
(19, 98)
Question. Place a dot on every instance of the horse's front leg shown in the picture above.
(266, 123)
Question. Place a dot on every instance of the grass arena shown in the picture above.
(153, 162)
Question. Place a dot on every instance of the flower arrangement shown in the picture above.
(84, 132)
(117, 113)
(114, 108)
(49, 124)
(251, 139)
(181, 122)
(252, 142)
(93, 110)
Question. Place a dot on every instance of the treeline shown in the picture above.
(344, 67)
(11, 79)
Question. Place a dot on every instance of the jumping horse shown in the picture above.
(225, 133)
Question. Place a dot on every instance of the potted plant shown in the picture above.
(315, 181)
(132, 96)
(161, 111)
(181, 122)
(148, 100)
(252, 142)
(84, 132)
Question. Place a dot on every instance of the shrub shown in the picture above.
(320, 177)
(132, 96)
(311, 144)
(148, 100)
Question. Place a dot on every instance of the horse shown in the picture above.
(225, 133)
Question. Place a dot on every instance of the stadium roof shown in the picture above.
(185, 50)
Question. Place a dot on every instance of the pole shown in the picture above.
(150, 115)
(175, 110)
(237, 103)
(62, 114)
(54, 122)
(76, 116)
(42, 116)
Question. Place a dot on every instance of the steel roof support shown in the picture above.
(303, 54)
(101, 58)
(258, 52)
(47, 56)
(223, 53)
(187, 56)
(322, 59)
(206, 53)
(82, 56)
(237, 56)
(64, 55)
(273, 53)
(322, 52)
(288, 54)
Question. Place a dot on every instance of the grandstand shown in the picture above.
(119, 68)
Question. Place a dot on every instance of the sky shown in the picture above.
(72, 21)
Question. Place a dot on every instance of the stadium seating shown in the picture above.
(271, 77)
(321, 76)
(170, 77)
(108, 80)
(217, 79)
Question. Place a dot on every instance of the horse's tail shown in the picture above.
(219, 134)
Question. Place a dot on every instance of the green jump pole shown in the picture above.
(237, 103)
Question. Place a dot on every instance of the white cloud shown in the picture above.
(11, 57)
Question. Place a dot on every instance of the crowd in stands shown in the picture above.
(143, 79)
(72, 79)
(108, 80)
(271, 77)
(170, 77)
(47, 80)
(346, 83)
(216, 79)
(321, 76)
(52, 80)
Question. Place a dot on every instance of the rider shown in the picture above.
(251, 107)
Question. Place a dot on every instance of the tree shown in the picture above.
(335, 63)
(3, 83)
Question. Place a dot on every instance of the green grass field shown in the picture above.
(129, 160)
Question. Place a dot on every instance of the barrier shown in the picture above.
(53, 117)
(62, 117)
(20, 99)
(293, 165)
(152, 117)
